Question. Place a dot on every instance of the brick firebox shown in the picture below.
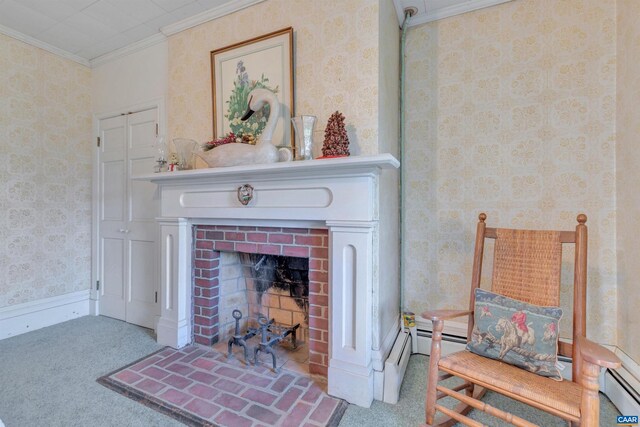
(210, 240)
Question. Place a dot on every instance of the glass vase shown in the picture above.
(303, 126)
(185, 150)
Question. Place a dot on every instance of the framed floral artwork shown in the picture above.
(261, 62)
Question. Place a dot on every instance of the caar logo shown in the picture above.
(627, 420)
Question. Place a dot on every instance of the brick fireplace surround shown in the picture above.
(210, 240)
(354, 313)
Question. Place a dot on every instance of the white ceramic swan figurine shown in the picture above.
(263, 151)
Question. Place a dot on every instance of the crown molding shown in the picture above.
(445, 12)
(128, 49)
(42, 45)
(208, 15)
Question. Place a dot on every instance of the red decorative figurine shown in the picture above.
(336, 141)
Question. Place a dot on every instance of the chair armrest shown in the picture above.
(597, 354)
(435, 315)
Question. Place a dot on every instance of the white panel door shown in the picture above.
(142, 229)
(127, 231)
(112, 216)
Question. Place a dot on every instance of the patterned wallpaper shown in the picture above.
(45, 181)
(336, 65)
(511, 111)
(628, 176)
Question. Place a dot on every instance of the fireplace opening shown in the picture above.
(278, 288)
(275, 289)
(283, 281)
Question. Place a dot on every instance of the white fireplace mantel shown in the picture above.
(340, 166)
(342, 195)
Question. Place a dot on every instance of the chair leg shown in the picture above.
(432, 378)
(469, 390)
(590, 404)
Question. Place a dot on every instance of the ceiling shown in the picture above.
(91, 28)
(88, 30)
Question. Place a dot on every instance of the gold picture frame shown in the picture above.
(264, 61)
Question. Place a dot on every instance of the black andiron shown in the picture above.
(238, 339)
(270, 335)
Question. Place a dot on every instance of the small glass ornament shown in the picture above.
(161, 146)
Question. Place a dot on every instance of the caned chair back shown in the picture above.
(527, 266)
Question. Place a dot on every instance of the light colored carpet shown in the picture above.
(48, 378)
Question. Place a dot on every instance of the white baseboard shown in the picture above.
(21, 318)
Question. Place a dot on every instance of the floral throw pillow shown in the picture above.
(517, 333)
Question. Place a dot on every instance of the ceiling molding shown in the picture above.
(445, 12)
(42, 45)
(128, 49)
(208, 15)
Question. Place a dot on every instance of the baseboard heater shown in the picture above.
(621, 393)
(445, 337)
(395, 366)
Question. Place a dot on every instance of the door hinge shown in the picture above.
(98, 141)
(156, 297)
(97, 285)
(156, 129)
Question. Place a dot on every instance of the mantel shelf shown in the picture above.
(344, 166)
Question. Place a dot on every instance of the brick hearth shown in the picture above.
(199, 386)
(210, 240)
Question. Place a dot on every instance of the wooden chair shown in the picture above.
(526, 267)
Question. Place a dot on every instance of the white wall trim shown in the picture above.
(128, 49)
(132, 108)
(42, 45)
(20, 318)
(445, 12)
(208, 15)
